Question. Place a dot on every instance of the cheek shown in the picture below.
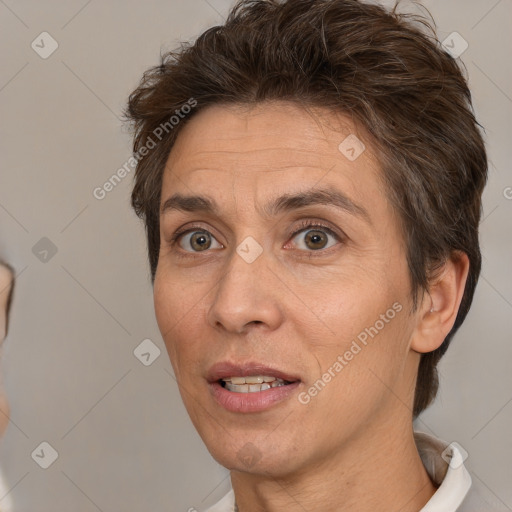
(177, 294)
(167, 311)
(178, 313)
(366, 326)
(370, 356)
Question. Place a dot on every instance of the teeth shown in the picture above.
(238, 380)
(252, 384)
(256, 379)
(251, 388)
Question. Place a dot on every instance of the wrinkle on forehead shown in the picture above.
(289, 126)
(232, 148)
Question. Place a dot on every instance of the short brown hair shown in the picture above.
(386, 70)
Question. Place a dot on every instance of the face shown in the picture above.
(297, 275)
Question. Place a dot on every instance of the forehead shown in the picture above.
(270, 126)
(234, 150)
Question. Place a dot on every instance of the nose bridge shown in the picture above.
(244, 294)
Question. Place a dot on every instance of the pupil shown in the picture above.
(200, 241)
(315, 238)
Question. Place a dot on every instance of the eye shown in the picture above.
(199, 240)
(316, 236)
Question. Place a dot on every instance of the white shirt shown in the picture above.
(456, 491)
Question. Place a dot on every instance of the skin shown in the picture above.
(296, 308)
(5, 288)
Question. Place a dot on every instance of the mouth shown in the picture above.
(250, 387)
(252, 384)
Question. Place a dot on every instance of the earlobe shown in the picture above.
(439, 308)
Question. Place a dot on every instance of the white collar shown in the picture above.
(445, 465)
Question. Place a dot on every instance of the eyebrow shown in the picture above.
(284, 203)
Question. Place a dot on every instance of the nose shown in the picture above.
(247, 294)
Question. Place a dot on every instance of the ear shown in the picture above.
(439, 307)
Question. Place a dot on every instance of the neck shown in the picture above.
(374, 471)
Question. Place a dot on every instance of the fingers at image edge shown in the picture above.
(10, 292)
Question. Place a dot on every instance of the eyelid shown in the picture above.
(308, 224)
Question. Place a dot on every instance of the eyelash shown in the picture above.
(304, 225)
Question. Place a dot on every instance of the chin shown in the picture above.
(247, 455)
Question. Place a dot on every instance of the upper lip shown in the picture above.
(226, 369)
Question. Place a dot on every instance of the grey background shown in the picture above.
(124, 440)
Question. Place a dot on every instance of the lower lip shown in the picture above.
(251, 402)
